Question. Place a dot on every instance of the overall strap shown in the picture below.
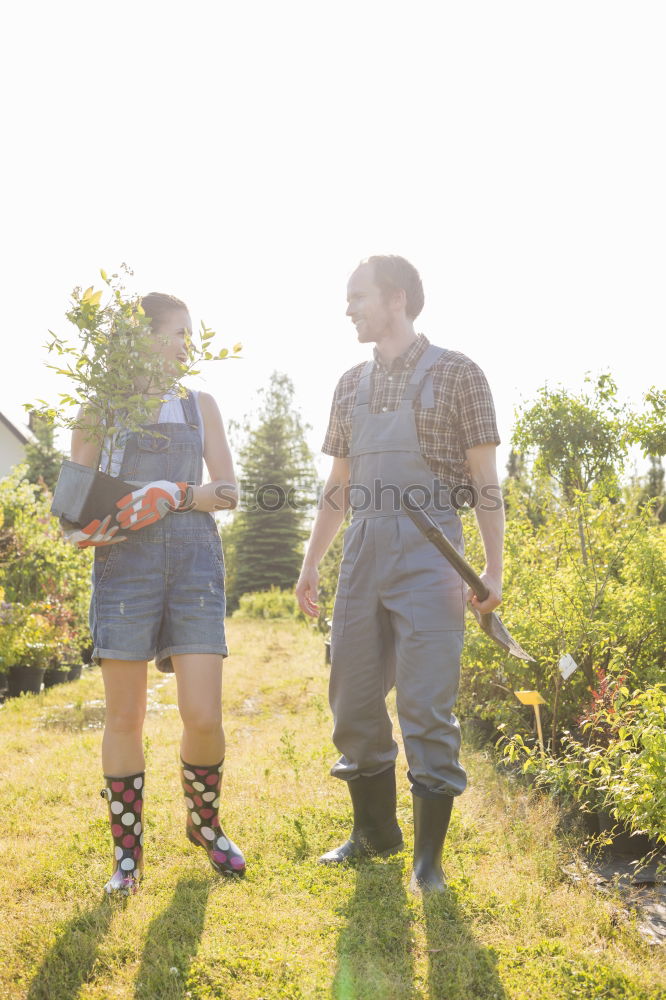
(363, 387)
(190, 409)
(420, 384)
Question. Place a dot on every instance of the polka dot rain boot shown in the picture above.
(125, 800)
(201, 786)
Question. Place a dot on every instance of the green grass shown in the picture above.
(511, 927)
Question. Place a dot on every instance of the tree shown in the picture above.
(581, 441)
(42, 457)
(278, 489)
(653, 489)
(649, 429)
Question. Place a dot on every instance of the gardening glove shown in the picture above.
(95, 533)
(150, 503)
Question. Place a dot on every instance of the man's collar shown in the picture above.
(408, 358)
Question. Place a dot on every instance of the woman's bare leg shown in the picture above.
(125, 683)
(199, 680)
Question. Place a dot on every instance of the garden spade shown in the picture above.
(491, 623)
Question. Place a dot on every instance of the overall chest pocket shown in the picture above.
(153, 444)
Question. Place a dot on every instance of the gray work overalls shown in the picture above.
(399, 608)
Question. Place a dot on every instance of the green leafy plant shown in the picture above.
(29, 638)
(117, 379)
(36, 564)
(615, 761)
(10, 626)
(609, 612)
(273, 603)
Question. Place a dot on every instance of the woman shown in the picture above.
(158, 592)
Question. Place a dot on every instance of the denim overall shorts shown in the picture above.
(161, 592)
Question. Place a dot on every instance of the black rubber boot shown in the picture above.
(376, 830)
(124, 797)
(431, 821)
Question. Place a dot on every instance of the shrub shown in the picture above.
(273, 603)
(36, 564)
(616, 761)
(28, 637)
(605, 604)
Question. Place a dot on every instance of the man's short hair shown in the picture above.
(393, 273)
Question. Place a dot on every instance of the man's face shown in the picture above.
(366, 307)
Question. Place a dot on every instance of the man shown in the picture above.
(417, 417)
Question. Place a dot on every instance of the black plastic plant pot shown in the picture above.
(83, 495)
(74, 673)
(24, 680)
(55, 675)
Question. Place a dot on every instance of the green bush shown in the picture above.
(28, 636)
(603, 601)
(37, 566)
(273, 603)
(615, 762)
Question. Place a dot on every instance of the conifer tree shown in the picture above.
(278, 492)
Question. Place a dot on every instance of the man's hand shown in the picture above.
(95, 533)
(494, 598)
(307, 591)
(150, 503)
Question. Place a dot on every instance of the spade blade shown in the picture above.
(492, 625)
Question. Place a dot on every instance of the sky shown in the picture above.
(246, 156)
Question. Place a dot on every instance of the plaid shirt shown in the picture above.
(463, 415)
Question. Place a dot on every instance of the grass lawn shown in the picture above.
(511, 927)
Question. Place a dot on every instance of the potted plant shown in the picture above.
(32, 648)
(65, 663)
(114, 372)
(55, 673)
(70, 657)
(7, 639)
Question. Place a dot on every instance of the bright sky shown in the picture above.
(245, 156)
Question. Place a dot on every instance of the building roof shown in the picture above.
(14, 430)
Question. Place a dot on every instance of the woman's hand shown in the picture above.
(150, 503)
(95, 533)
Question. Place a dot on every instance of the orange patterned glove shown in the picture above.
(148, 504)
(95, 533)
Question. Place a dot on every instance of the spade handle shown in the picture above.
(434, 534)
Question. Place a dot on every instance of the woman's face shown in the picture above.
(172, 337)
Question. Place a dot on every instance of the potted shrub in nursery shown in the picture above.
(32, 650)
(55, 673)
(65, 664)
(11, 618)
(117, 385)
(70, 657)
(6, 642)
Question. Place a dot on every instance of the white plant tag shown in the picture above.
(567, 665)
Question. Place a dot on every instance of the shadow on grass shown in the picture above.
(374, 949)
(69, 962)
(172, 940)
(458, 966)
